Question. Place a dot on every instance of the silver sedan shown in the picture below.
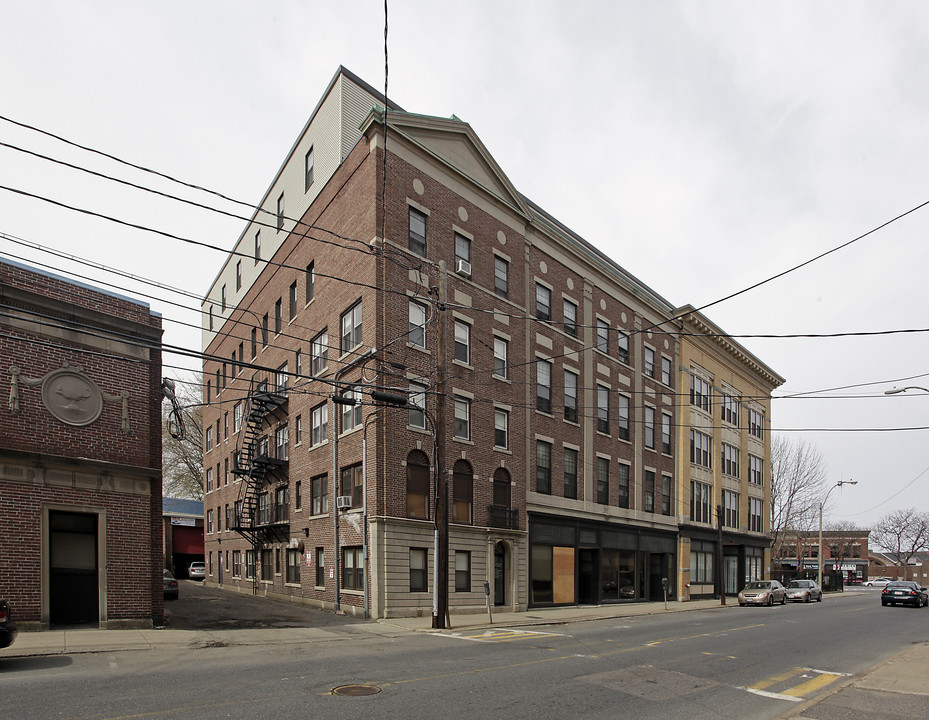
(804, 591)
(762, 592)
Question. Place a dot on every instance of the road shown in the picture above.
(719, 663)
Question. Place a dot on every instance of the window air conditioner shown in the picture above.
(343, 502)
(463, 267)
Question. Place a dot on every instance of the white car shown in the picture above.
(877, 582)
(196, 571)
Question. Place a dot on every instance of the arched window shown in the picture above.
(417, 484)
(502, 487)
(462, 492)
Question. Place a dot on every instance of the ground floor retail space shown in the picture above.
(743, 559)
(578, 562)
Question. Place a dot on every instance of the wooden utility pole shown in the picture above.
(441, 485)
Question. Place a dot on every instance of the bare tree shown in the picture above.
(843, 537)
(798, 474)
(902, 533)
(182, 440)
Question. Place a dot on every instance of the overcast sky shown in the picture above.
(703, 146)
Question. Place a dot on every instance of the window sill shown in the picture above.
(501, 378)
(463, 441)
(419, 348)
(505, 451)
(466, 366)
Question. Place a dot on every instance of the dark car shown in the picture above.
(170, 586)
(7, 626)
(904, 592)
(804, 591)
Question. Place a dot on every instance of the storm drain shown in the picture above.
(356, 690)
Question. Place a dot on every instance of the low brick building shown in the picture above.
(80, 454)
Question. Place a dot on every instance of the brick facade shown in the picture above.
(80, 446)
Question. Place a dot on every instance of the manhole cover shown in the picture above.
(356, 690)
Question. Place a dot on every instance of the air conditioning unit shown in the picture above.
(343, 502)
(463, 267)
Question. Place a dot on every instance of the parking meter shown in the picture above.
(490, 612)
(664, 586)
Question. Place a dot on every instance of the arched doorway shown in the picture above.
(500, 563)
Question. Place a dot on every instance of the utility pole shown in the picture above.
(440, 585)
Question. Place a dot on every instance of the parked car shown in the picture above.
(904, 592)
(804, 591)
(171, 589)
(196, 571)
(877, 582)
(7, 626)
(762, 592)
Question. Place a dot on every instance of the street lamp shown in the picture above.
(819, 553)
(894, 391)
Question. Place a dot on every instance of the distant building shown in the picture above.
(80, 454)
(844, 552)
(183, 534)
(883, 564)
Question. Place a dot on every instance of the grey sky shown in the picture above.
(703, 146)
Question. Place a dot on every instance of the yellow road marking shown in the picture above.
(768, 682)
(812, 685)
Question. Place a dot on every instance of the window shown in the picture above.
(570, 317)
(543, 302)
(462, 492)
(351, 414)
(228, 517)
(241, 357)
(418, 569)
(666, 370)
(298, 495)
(730, 509)
(225, 426)
(264, 330)
(319, 424)
(543, 467)
(701, 566)
(293, 565)
(501, 429)
(352, 568)
(501, 277)
(267, 565)
(701, 448)
(319, 495)
(257, 246)
(649, 368)
(666, 433)
(225, 473)
(730, 460)
(222, 298)
(603, 336)
(351, 327)
(281, 379)
(282, 442)
(250, 563)
(729, 409)
(623, 482)
(501, 488)
(625, 426)
(417, 405)
(310, 282)
(319, 353)
(603, 481)
(239, 509)
(570, 473)
(418, 314)
(755, 470)
(650, 427)
(462, 418)
(308, 162)
(292, 300)
(570, 396)
(462, 571)
(462, 342)
(254, 343)
(755, 423)
(543, 386)
(417, 232)
(352, 485)
(278, 316)
(277, 561)
(211, 317)
(209, 438)
(209, 521)
(649, 491)
(208, 396)
(755, 516)
(264, 509)
(236, 563)
(462, 248)
(500, 351)
(417, 484)
(603, 409)
(320, 567)
(623, 347)
(280, 212)
(701, 502)
(699, 393)
(666, 490)
(238, 275)
(298, 362)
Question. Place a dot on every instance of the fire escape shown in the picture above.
(262, 511)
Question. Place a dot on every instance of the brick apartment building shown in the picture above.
(844, 552)
(80, 454)
(541, 377)
(725, 478)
